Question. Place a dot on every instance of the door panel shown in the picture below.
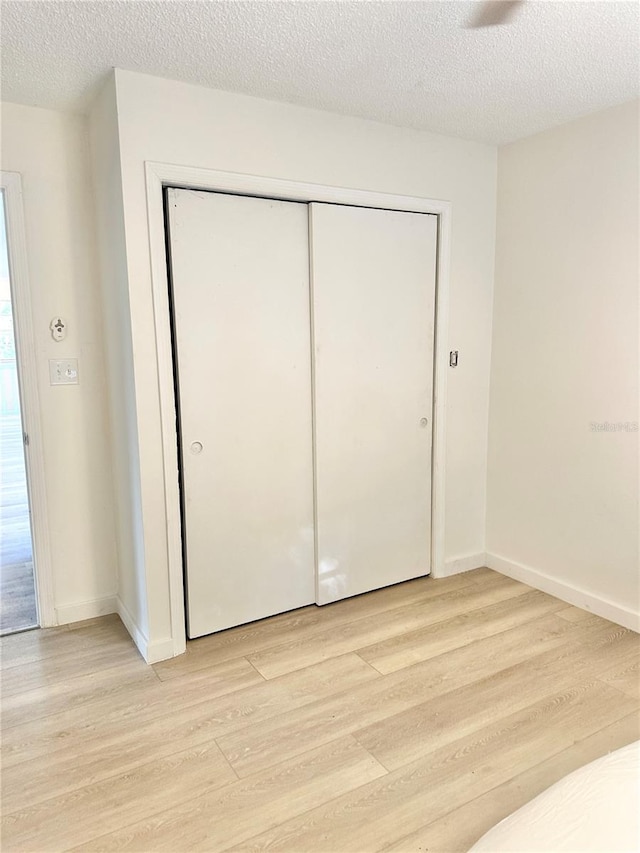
(373, 292)
(240, 270)
(18, 607)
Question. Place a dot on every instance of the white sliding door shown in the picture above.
(373, 296)
(240, 273)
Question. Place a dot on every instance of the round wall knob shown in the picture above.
(424, 422)
(196, 447)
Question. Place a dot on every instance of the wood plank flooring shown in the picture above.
(408, 719)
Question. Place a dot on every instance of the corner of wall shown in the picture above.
(81, 610)
(463, 564)
(571, 593)
(108, 197)
(152, 652)
(490, 363)
(562, 495)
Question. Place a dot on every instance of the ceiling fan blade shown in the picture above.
(493, 13)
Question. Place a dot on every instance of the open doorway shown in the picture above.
(18, 609)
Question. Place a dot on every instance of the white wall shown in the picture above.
(50, 151)
(107, 183)
(562, 498)
(165, 121)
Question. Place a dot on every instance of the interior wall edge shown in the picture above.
(104, 147)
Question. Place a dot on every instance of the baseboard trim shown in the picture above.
(578, 596)
(138, 636)
(463, 564)
(152, 652)
(160, 650)
(81, 610)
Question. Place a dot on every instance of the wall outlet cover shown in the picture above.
(63, 371)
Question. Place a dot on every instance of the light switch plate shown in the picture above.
(63, 371)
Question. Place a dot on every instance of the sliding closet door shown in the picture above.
(373, 285)
(240, 280)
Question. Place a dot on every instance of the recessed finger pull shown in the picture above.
(424, 422)
(196, 447)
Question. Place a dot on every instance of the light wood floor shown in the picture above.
(409, 719)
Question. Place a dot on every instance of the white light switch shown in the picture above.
(63, 371)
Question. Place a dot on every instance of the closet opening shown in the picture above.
(302, 341)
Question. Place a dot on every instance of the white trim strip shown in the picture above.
(440, 377)
(139, 638)
(82, 610)
(576, 595)
(464, 564)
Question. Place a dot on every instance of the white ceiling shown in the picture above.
(408, 63)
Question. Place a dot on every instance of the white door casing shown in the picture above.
(161, 175)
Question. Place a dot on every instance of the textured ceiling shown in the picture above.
(407, 63)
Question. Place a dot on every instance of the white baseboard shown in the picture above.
(462, 564)
(570, 593)
(138, 636)
(160, 650)
(152, 652)
(77, 612)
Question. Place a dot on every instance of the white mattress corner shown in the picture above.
(595, 808)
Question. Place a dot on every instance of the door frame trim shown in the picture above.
(26, 364)
(160, 175)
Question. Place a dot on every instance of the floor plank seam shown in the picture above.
(325, 744)
(56, 678)
(239, 779)
(581, 685)
(29, 719)
(620, 690)
(117, 773)
(324, 804)
(470, 643)
(201, 702)
(333, 697)
(93, 840)
(162, 714)
(46, 716)
(379, 761)
(321, 627)
(530, 769)
(227, 762)
(158, 679)
(368, 663)
(393, 636)
(106, 642)
(255, 668)
(521, 623)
